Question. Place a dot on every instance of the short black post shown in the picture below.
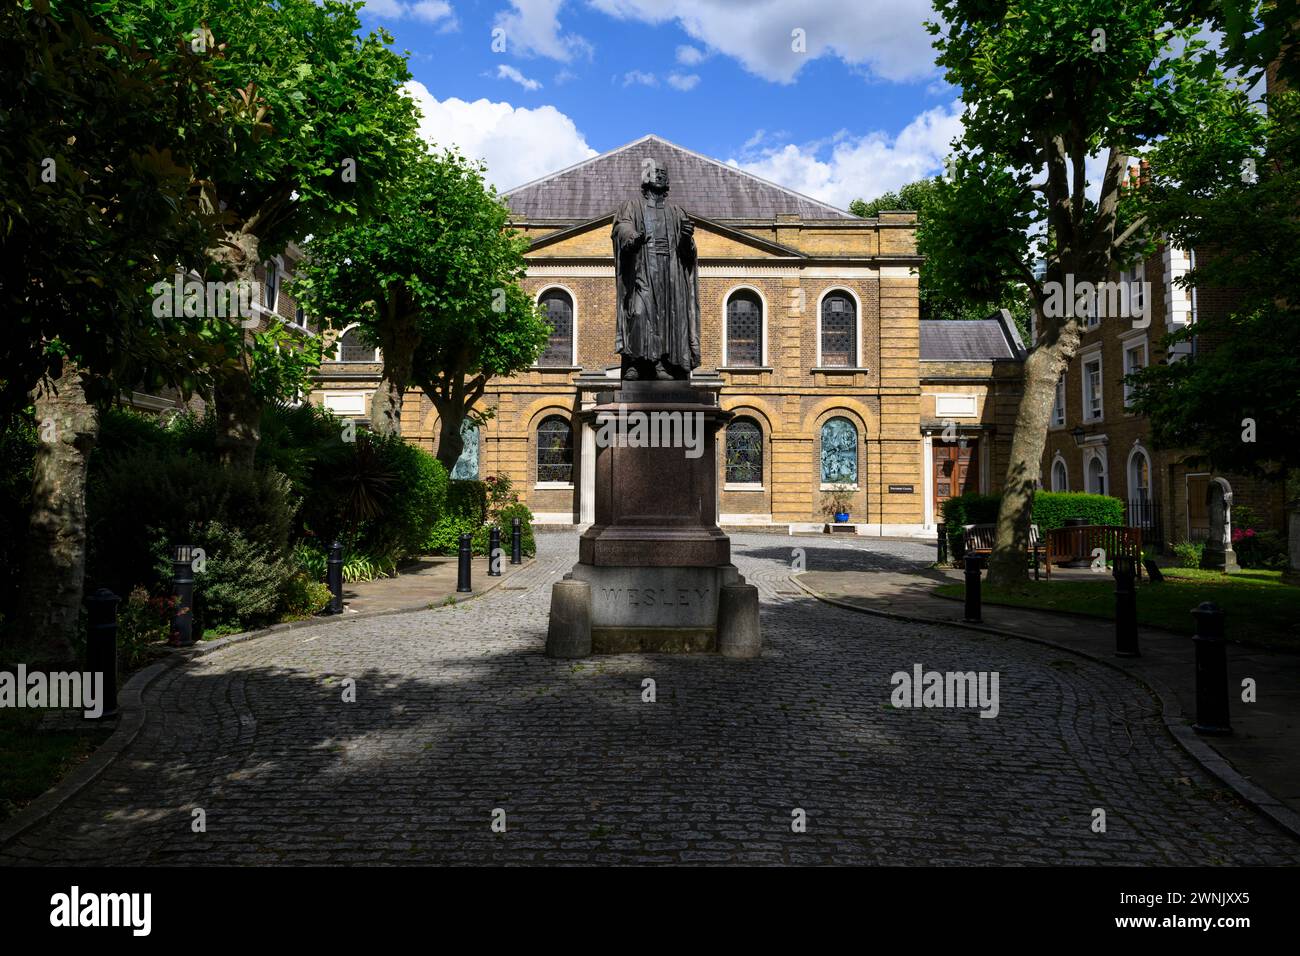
(1211, 671)
(334, 578)
(101, 645)
(462, 568)
(1126, 621)
(494, 552)
(943, 543)
(973, 564)
(183, 588)
(516, 542)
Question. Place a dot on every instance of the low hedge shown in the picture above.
(1051, 509)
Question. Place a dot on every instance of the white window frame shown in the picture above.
(762, 342)
(573, 301)
(1134, 453)
(338, 348)
(1065, 472)
(273, 305)
(1088, 459)
(1127, 345)
(1084, 361)
(857, 305)
(1058, 404)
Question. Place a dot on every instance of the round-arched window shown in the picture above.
(744, 328)
(555, 450)
(558, 306)
(839, 330)
(744, 449)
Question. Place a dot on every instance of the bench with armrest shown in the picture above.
(978, 539)
(1079, 543)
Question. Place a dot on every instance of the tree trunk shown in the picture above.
(386, 404)
(55, 562)
(238, 410)
(450, 444)
(1008, 564)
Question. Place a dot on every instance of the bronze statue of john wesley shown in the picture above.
(657, 332)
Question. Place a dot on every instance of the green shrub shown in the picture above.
(244, 583)
(464, 513)
(503, 520)
(143, 627)
(303, 597)
(1189, 553)
(1051, 509)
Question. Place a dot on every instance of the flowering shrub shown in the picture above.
(144, 626)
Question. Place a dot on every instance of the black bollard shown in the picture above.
(494, 552)
(943, 543)
(516, 542)
(1126, 621)
(334, 578)
(1211, 671)
(183, 588)
(101, 644)
(462, 569)
(973, 615)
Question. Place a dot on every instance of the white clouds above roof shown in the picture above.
(518, 144)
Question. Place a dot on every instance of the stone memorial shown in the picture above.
(1218, 554)
(654, 571)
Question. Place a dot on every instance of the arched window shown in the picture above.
(1139, 476)
(744, 461)
(1060, 476)
(355, 347)
(839, 452)
(1096, 475)
(744, 328)
(839, 330)
(555, 451)
(558, 306)
(466, 466)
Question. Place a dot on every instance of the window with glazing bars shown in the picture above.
(353, 347)
(744, 453)
(744, 329)
(839, 330)
(559, 312)
(555, 450)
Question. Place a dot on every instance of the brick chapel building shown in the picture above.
(810, 330)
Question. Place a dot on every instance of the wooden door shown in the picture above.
(956, 471)
(1198, 512)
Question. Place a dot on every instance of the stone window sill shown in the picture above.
(742, 486)
(553, 486)
(825, 486)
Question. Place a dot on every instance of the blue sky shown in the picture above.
(532, 86)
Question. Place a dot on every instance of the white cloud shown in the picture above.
(532, 28)
(518, 144)
(640, 78)
(505, 72)
(689, 55)
(430, 11)
(885, 36)
(683, 81)
(843, 167)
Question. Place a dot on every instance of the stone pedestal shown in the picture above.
(654, 562)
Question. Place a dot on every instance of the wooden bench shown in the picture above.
(1079, 542)
(978, 539)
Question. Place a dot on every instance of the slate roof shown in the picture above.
(702, 186)
(981, 340)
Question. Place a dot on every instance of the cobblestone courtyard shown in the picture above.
(458, 713)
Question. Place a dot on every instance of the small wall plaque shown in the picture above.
(901, 489)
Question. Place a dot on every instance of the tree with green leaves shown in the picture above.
(432, 280)
(1048, 84)
(1232, 193)
(315, 125)
(94, 209)
(916, 197)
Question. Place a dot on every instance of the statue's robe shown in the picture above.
(656, 319)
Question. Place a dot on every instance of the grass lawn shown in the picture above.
(1260, 609)
(34, 760)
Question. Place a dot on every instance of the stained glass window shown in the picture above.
(744, 329)
(744, 452)
(839, 330)
(466, 466)
(555, 450)
(353, 347)
(839, 452)
(558, 307)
